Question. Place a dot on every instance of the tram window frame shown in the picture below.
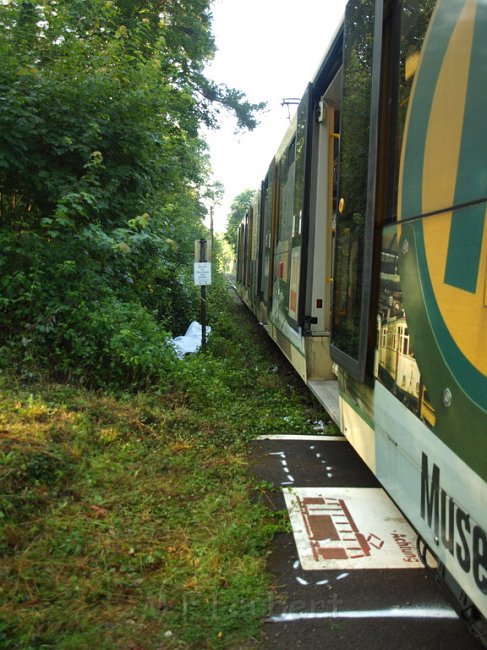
(355, 364)
(245, 250)
(287, 170)
(300, 222)
(405, 344)
(394, 109)
(260, 247)
(301, 166)
(270, 215)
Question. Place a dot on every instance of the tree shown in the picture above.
(238, 210)
(100, 168)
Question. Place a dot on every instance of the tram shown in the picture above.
(364, 256)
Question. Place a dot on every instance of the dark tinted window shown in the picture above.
(353, 176)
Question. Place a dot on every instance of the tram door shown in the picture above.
(328, 117)
(351, 324)
(322, 219)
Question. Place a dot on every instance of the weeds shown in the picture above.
(127, 520)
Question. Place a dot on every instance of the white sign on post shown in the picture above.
(202, 273)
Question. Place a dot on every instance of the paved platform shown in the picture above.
(347, 576)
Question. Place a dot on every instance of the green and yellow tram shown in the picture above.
(364, 256)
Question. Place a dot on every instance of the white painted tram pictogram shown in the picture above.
(329, 520)
(349, 528)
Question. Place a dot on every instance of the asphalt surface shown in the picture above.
(323, 603)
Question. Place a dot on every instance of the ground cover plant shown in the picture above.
(129, 519)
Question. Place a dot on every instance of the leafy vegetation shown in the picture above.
(128, 519)
(102, 174)
(238, 210)
(127, 510)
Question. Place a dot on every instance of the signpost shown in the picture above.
(202, 273)
(202, 277)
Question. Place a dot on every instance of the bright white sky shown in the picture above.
(270, 50)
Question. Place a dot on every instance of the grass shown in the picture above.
(129, 521)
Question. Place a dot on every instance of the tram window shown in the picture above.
(287, 169)
(405, 345)
(358, 129)
(415, 17)
(290, 154)
(268, 235)
(302, 125)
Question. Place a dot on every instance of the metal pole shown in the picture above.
(203, 298)
(211, 226)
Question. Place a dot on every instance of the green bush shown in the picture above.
(117, 343)
(92, 307)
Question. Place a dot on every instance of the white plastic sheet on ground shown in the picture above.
(191, 341)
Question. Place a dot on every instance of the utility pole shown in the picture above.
(211, 225)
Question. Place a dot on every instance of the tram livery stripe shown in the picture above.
(438, 130)
(462, 272)
(424, 85)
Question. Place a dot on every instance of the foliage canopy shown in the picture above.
(101, 176)
(238, 210)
